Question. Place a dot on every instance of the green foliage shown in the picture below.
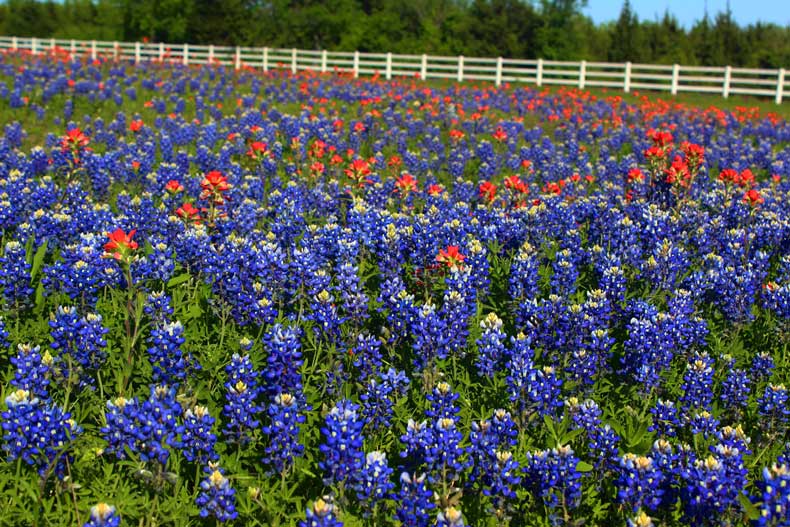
(551, 29)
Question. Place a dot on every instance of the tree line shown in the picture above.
(551, 29)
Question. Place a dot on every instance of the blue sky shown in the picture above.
(688, 11)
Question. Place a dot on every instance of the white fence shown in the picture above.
(724, 80)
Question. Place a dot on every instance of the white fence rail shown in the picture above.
(725, 80)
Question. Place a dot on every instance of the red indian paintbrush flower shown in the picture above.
(136, 125)
(406, 183)
(487, 191)
(358, 171)
(121, 246)
(753, 198)
(188, 213)
(450, 256)
(257, 150)
(500, 134)
(435, 190)
(174, 187)
(214, 186)
(74, 139)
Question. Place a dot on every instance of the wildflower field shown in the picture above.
(267, 299)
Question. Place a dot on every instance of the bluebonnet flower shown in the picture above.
(32, 370)
(735, 389)
(491, 346)
(665, 418)
(450, 517)
(697, 384)
(367, 357)
(103, 515)
(640, 520)
(284, 361)
(552, 475)
(157, 307)
(241, 409)
(774, 505)
(122, 430)
(197, 439)
(79, 342)
(456, 312)
(3, 334)
(762, 367)
(158, 425)
(380, 396)
(639, 482)
(321, 514)
(355, 301)
(170, 364)
(342, 446)
(773, 406)
(565, 275)
(523, 279)
(325, 316)
(414, 500)
(445, 457)
(430, 337)
(373, 484)
(703, 422)
(443, 402)
(707, 491)
(217, 498)
(15, 275)
(285, 419)
(37, 432)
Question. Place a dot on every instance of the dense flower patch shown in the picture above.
(274, 299)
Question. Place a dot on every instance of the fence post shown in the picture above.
(460, 68)
(237, 58)
(323, 61)
(265, 59)
(137, 53)
(14, 45)
(186, 54)
(582, 73)
(725, 92)
(780, 86)
(388, 67)
(356, 64)
(93, 50)
(627, 79)
(293, 60)
(539, 73)
(116, 52)
(675, 79)
(498, 75)
(33, 46)
(52, 44)
(211, 54)
(424, 67)
(73, 49)
(161, 52)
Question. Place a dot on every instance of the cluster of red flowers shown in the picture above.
(451, 256)
(121, 245)
(358, 171)
(405, 184)
(744, 178)
(75, 141)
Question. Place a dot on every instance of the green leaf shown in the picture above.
(193, 312)
(581, 466)
(752, 512)
(38, 261)
(39, 295)
(178, 280)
